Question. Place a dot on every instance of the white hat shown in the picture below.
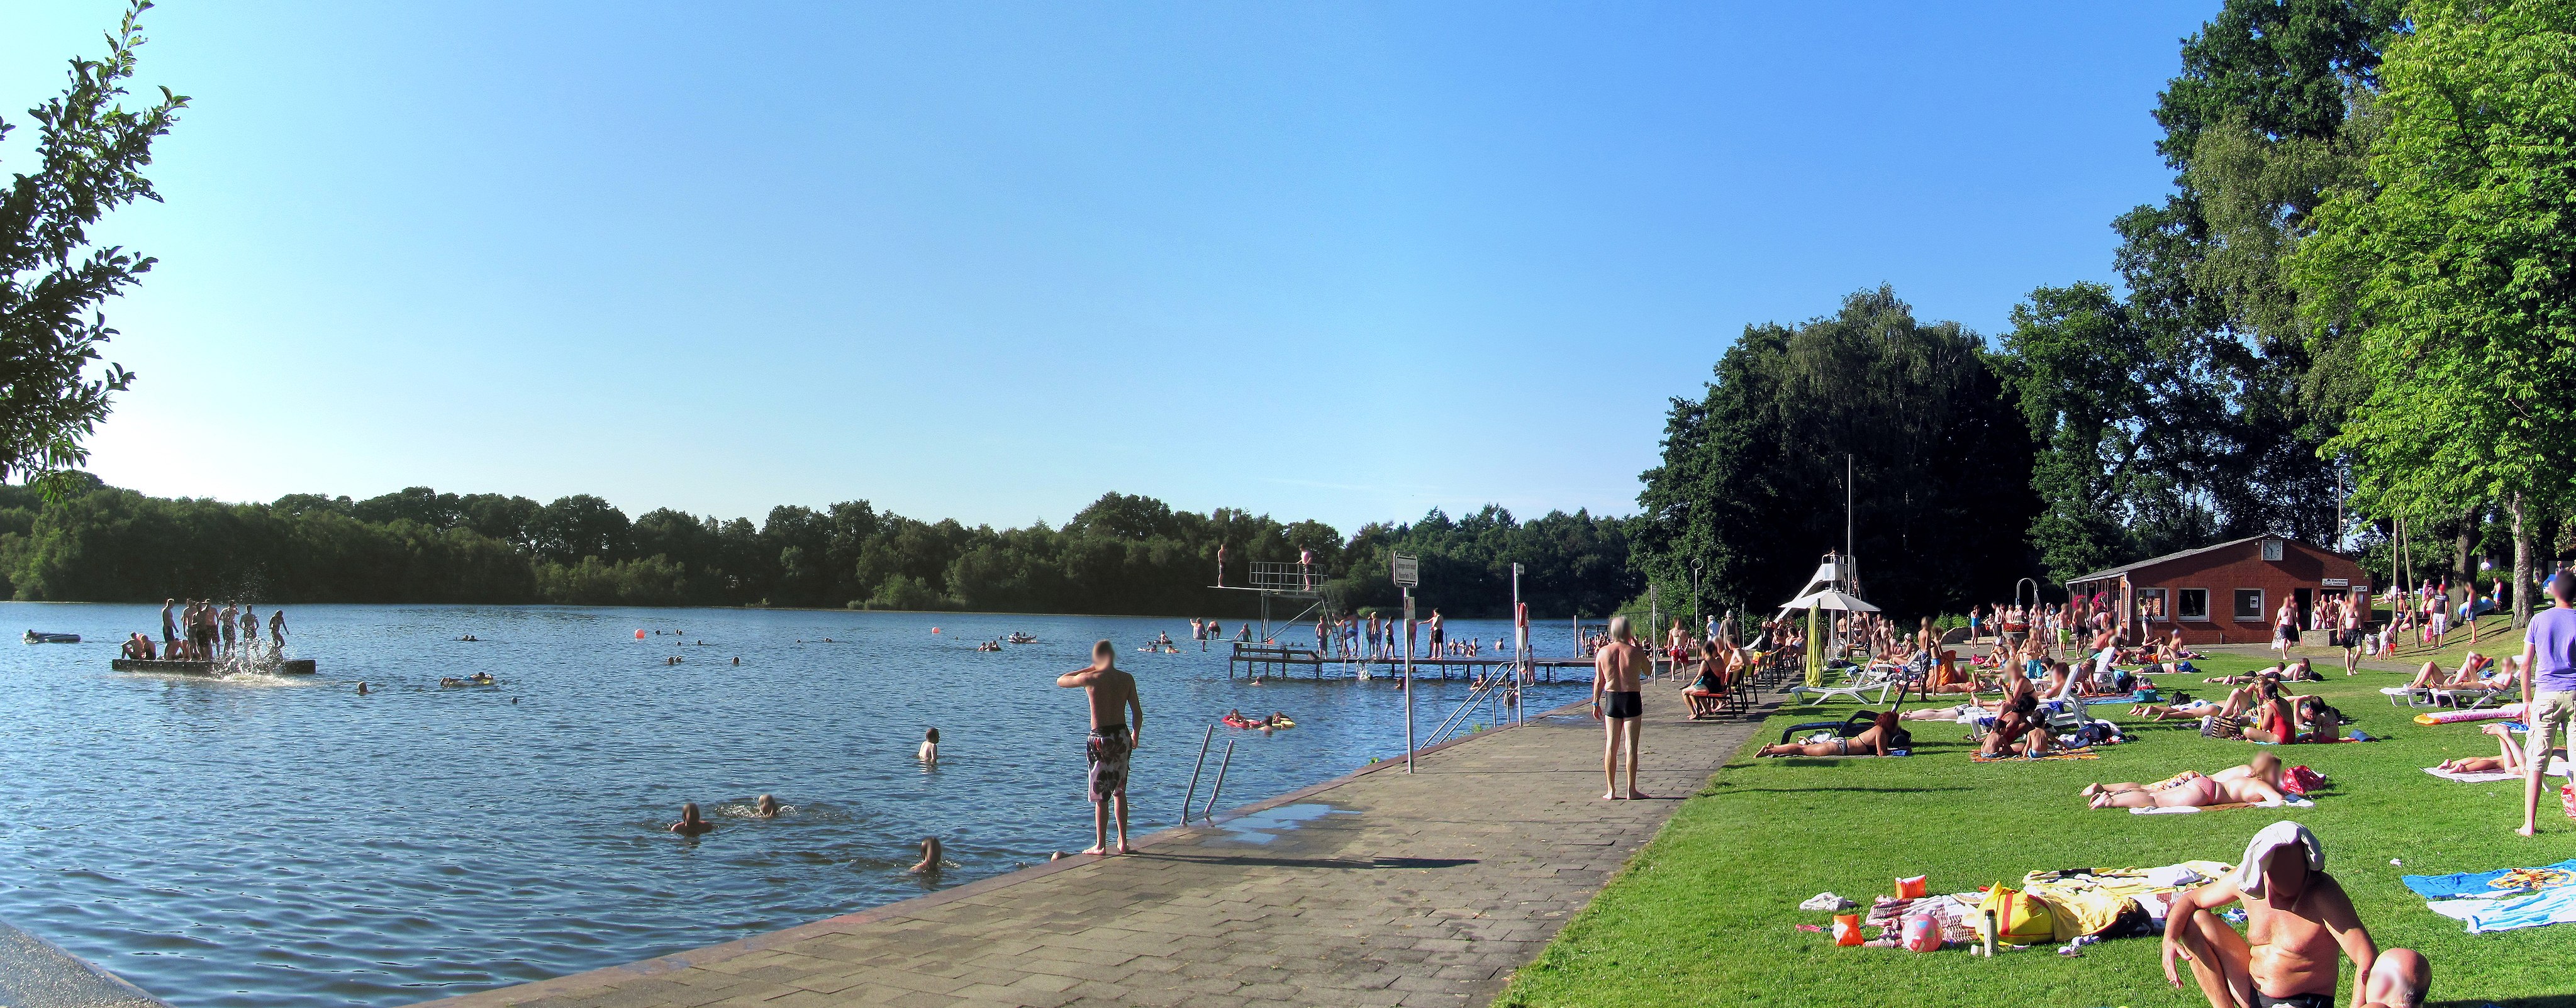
(2249, 872)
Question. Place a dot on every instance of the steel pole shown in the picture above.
(1194, 773)
(1408, 680)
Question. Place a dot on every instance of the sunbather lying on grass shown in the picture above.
(2257, 781)
(1878, 740)
(2509, 762)
(2298, 670)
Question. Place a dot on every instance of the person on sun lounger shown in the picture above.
(2259, 780)
(2476, 670)
(1879, 740)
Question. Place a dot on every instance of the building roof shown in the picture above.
(2152, 561)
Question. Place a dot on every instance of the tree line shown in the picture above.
(2351, 321)
(1123, 554)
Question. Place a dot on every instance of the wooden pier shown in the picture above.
(1274, 661)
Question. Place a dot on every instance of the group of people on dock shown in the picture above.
(199, 631)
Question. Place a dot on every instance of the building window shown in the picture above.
(2272, 549)
(2249, 604)
(2192, 604)
(2151, 604)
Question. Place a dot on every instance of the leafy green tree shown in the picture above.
(1752, 484)
(2259, 128)
(91, 152)
(2454, 271)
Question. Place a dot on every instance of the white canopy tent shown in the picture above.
(1829, 599)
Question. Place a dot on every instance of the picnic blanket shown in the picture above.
(2001, 757)
(2292, 802)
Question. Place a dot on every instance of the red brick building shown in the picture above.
(2223, 594)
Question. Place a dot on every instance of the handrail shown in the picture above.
(1194, 773)
(1209, 813)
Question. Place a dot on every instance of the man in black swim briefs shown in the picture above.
(1618, 704)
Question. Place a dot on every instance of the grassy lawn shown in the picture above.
(1706, 914)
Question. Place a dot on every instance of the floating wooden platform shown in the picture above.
(1273, 660)
(292, 666)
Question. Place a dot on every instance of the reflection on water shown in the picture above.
(284, 841)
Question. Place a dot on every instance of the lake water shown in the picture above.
(262, 841)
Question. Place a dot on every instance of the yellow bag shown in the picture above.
(2020, 918)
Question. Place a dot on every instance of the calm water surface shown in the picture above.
(286, 842)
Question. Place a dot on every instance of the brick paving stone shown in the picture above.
(1429, 893)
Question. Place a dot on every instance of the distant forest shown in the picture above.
(1123, 555)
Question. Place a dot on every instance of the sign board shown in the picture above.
(1408, 570)
(2338, 582)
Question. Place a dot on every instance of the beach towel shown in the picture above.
(2548, 906)
(2001, 757)
(2501, 882)
(2294, 802)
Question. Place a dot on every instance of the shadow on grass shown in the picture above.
(2550, 1001)
(1280, 862)
(1728, 789)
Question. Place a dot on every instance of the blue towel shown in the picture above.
(2548, 906)
(2483, 883)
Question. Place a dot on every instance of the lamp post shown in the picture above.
(1696, 616)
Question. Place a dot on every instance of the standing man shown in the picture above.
(2348, 617)
(1436, 639)
(277, 628)
(1306, 569)
(169, 630)
(224, 623)
(2548, 688)
(1113, 696)
(1220, 565)
(1619, 705)
(2285, 628)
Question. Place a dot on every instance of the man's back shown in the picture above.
(1110, 690)
(1617, 665)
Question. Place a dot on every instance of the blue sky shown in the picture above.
(987, 261)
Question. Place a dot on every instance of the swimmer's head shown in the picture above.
(931, 736)
(689, 812)
(767, 805)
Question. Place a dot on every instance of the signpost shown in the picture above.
(1408, 573)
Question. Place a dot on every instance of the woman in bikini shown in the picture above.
(2258, 780)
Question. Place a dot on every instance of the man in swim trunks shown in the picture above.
(1616, 702)
(169, 630)
(2258, 780)
(2296, 919)
(1113, 696)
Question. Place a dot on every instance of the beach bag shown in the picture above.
(2020, 918)
(1847, 929)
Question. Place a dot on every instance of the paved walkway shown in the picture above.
(1374, 889)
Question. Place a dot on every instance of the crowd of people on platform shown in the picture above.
(199, 631)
